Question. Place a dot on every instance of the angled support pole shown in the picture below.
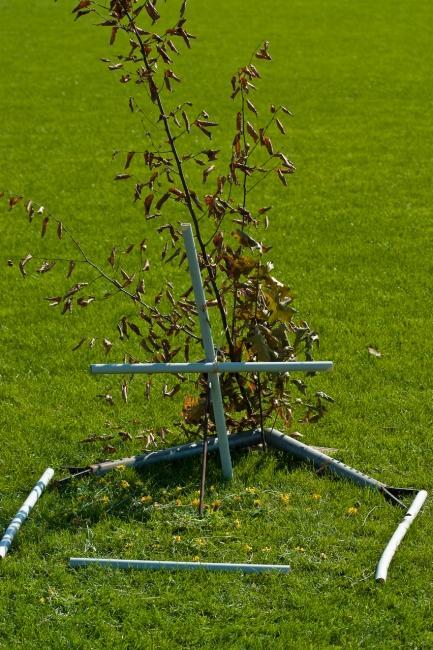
(208, 345)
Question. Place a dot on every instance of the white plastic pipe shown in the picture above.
(24, 512)
(174, 566)
(208, 345)
(210, 366)
(402, 528)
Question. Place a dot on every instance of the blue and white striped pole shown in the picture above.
(24, 511)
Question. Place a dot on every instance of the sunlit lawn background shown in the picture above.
(352, 235)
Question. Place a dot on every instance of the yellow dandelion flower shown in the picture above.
(178, 503)
(257, 503)
(215, 505)
(352, 510)
(301, 549)
(285, 498)
(248, 548)
(196, 558)
(105, 500)
(42, 600)
(177, 538)
(199, 541)
(146, 498)
(316, 496)
(237, 523)
(124, 485)
(251, 490)
(195, 503)
(120, 468)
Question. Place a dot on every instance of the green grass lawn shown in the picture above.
(352, 235)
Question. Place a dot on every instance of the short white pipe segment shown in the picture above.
(209, 367)
(208, 345)
(174, 566)
(400, 532)
(24, 511)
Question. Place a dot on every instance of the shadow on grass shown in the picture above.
(131, 495)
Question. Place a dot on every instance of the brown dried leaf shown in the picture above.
(193, 409)
(125, 391)
(207, 171)
(30, 209)
(107, 345)
(134, 328)
(59, 230)
(253, 133)
(251, 107)
(173, 391)
(124, 435)
(111, 260)
(280, 126)
(67, 307)
(23, 263)
(55, 300)
(162, 200)
(79, 344)
(147, 203)
(44, 226)
(172, 46)
(282, 177)
(151, 10)
(84, 302)
(129, 158)
(268, 144)
(45, 267)
(286, 111)
(77, 287)
(186, 120)
(70, 268)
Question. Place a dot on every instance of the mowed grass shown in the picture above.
(352, 235)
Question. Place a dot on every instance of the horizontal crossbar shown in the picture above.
(173, 565)
(210, 367)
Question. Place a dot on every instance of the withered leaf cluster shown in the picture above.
(175, 180)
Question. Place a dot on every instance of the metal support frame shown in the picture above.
(211, 366)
